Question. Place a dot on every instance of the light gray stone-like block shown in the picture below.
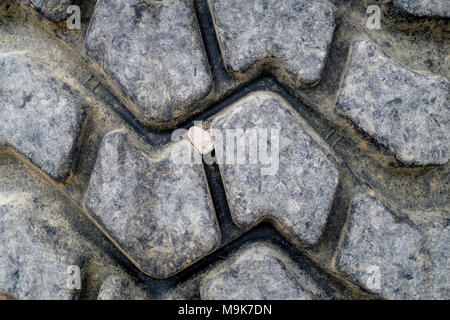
(39, 116)
(152, 55)
(407, 263)
(158, 211)
(438, 248)
(376, 241)
(405, 111)
(54, 10)
(293, 36)
(37, 245)
(297, 193)
(440, 8)
(259, 272)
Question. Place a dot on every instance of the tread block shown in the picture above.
(121, 287)
(389, 256)
(36, 248)
(292, 36)
(158, 211)
(41, 235)
(405, 111)
(152, 55)
(294, 185)
(39, 116)
(259, 271)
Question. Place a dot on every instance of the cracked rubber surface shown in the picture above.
(94, 141)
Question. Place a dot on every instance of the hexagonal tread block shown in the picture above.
(152, 56)
(54, 10)
(40, 117)
(438, 8)
(405, 111)
(284, 173)
(259, 271)
(157, 210)
(290, 36)
(389, 256)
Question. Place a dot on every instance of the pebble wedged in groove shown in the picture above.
(406, 112)
(259, 272)
(54, 10)
(298, 194)
(293, 36)
(152, 55)
(121, 287)
(37, 245)
(439, 8)
(39, 116)
(158, 211)
(378, 246)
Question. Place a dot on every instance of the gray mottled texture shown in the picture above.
(258, 272)
(440, 8)
(405, 111)
(157, 210)
(153, 56)
(39, 116)
(376, 239)
(36, 247)
(438, 248)
(293, 36)
(54, 10)
(299, 194)
(409, 263)
(121, 287)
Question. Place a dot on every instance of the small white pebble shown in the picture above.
(201, 140)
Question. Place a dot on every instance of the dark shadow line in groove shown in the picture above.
(334, 226)
(209, 37)
(114, 104)
(228, 228)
